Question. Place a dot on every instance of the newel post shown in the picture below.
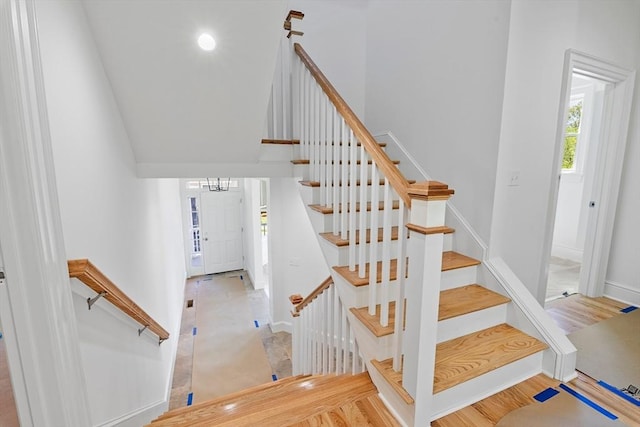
(424, 252)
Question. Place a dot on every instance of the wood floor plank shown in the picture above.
(467, 299)
(472, 355)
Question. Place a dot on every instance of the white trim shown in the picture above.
(281, 327)
(393, 411)
(31, 233)
(564, 350)
(622, 293)
(608, 169)
(139, 417)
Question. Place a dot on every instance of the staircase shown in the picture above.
(432, 337)
(302, 400)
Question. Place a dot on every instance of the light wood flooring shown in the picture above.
(572, 313)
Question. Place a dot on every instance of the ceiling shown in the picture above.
(179, 103)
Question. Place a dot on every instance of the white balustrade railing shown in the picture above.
(323, 341)
(350, 179)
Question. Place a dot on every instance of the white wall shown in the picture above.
(335, 38)
(297, 265)
(434, 78)
(540, 33)
(253, 234)
(129, 228)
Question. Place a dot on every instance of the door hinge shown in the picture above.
(2, 277)
(592, 204)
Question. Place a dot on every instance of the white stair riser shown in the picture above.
(316, 194)
(340, 255)
(305, 171)
(357, 296)
(323, 223)
(448, 242)
(478, 388)
(458, 277)
(471, 322)
(275, 152)
(380, 347)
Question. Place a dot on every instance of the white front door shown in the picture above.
(221, 231)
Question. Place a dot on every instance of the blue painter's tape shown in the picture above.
(0, 335)
(190, 399)
(241, 278)
(629, 309)
(546, 394)
(588, 402)
(274, 377)
(255, 322)
(619, 393)
(195, 331)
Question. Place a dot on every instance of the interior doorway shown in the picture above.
(221, 231)
(593, 121)
(582, 139)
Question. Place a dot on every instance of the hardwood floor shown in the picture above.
(572, 313)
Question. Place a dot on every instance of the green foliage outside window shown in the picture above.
(571, 138)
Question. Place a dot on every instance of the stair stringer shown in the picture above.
(524, 312)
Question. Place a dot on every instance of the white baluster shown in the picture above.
(336, 171)
(285, 84)
(274, 115)
(322, 140)
(386, 255)
(362, 247)
(373, 245)
(355, 357)
(307, 115)
(316, 130)
(329, 151)
(343, 182)
(339, 336)
(330, 329)
(401, 274)
(353, 164)
(347, 344)
(325, 332)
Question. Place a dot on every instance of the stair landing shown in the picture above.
(327, 400)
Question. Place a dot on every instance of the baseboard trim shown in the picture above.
(139, 417)
(621, 292)
(281, 327)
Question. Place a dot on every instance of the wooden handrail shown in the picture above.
(87, 273)
(313, 295)
(390, 171)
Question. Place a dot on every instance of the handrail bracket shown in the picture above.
(140, 331)
(91, 301)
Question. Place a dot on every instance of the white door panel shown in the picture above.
(221, 231)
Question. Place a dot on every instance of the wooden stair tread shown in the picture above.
(328, 210)
(394, 378)
(464, 358)
(450, 260)
(281, 141)
(467, 299)
(229, 398)
(357, 183)
(358, 162)
(276, 404)
(338, 241)
(372, 322)
(353, 278)
(453, 302)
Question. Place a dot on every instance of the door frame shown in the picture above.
(608, 171)
(204, 220)
(45, 354)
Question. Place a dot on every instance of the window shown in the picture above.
(194, 231)
(572, 134)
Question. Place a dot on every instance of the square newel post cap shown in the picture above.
(429, 190)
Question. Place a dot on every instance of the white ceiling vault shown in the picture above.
(182, 105)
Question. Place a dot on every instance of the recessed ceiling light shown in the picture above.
(206, 42)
